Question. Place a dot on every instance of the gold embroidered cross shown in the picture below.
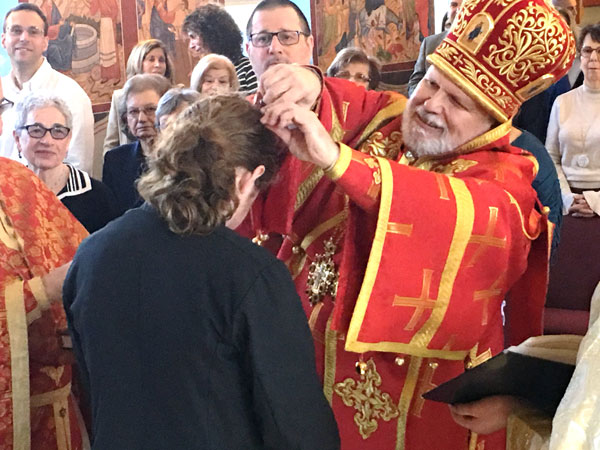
(488, 239)
(420, 304)
(370, 403)
(486, 295)
(475, 359)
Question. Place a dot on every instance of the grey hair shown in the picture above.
(173, 99)
(38, 100)
(140, 83)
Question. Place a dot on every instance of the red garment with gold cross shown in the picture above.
(426, 251)
(37, 235)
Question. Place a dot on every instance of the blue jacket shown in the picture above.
(123, 165)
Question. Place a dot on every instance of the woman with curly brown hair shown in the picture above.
(190, 335)
(212, 30)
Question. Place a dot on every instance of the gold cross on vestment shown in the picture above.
(370, 403)
(486, 295)
(420, 304)
(488, 239)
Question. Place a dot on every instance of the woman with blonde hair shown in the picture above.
(148, 56)
(214, 74)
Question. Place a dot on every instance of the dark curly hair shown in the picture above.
(191, 178)
(217, 29)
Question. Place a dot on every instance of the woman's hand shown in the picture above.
(580, 207)
(484, 416)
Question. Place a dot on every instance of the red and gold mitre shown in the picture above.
(503, 52)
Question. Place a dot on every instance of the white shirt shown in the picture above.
(81, 149)
(573, 142)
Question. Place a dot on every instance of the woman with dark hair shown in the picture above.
(353, 64)
(212, 30)
(191, 336)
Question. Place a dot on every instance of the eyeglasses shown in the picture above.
(134, 113)
(285, 37)
(17, 31)
(586, 52)
(5, 104)
(356, 77)
(38, 131)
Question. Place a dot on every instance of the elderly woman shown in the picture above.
(212, 30)
(172, 103)
(214, 74)
(353, 64)
(146, 57)
(208, 346)
(124, 164)
(573, 139)
(38, 238)
(42, 134)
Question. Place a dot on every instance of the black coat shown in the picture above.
(195, 342)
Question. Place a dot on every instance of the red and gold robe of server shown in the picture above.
(37, 234)
(402, 265)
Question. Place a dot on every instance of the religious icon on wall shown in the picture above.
(86, 43)
(163, 19)
(390, 30)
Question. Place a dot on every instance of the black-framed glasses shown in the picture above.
(38, 131)
(285, 37)
(586, 52)
(17, 31)
(5, 104)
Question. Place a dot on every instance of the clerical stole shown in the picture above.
(37, 234)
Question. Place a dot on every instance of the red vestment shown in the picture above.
(37, 235)
(426, 249)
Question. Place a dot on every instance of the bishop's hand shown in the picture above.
(303, 133)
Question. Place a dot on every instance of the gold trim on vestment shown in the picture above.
(408, 391)
(358, 315)
(307, 186)
(514, 202)
(39, 293)
(62, 424)
(342, 163)
(322, 228)
(465, 217)
(330, 360)
(48, 398)
(19, 364)
(8, 236)
(394, 108)
(462, 232)
(486, 138)
(314, 315)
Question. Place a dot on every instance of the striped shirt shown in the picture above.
(246, 76)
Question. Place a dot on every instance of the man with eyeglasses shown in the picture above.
(277, 33)
(25, 38)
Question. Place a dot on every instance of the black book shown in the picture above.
(540, 381)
